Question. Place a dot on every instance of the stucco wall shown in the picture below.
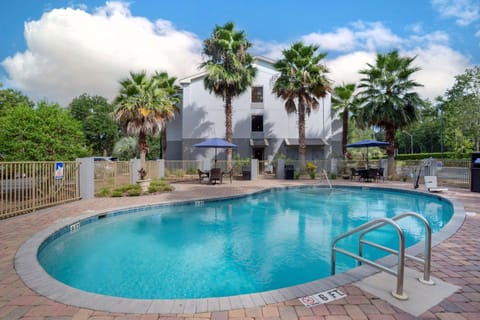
(203, 117)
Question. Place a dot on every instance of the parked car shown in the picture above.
(104, 166)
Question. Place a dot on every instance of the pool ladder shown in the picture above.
(399, 273)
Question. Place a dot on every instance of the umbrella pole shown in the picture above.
(215, 157)
(367, 157)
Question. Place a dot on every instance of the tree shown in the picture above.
(139, 108)
(126, 148)
(343, 99)
(426, 132)
(171, 92)
(387, 98)
(100, 129)
(10, 98)
(229, 69)
(462, 106)
(45, 133)
(301, 82)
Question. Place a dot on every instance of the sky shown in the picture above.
(57, 50)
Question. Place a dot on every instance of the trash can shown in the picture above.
(289, 171)
(475, 172)
(246, 173)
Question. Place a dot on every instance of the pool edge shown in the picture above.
(35, 277)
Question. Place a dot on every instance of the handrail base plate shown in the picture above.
(403, 296)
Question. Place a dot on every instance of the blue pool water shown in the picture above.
(266, 241)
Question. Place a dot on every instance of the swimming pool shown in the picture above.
(256, 243)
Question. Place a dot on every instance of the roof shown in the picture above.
(201, 74)
(319, 142)
(259, 143)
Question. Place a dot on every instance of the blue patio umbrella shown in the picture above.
(367, 143)
(215, 143)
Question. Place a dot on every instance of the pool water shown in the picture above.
(256, 243)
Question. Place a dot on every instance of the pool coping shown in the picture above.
(36, 278)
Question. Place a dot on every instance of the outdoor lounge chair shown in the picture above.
(431, 184)
(215, 175)
(202, 175)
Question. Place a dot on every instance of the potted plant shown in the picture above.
(311, 169)
(144, 183)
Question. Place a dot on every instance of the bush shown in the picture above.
(311, 169)
(133, 190)
(104, 192)
(333, 176)
(159, 185)
(435, 155)
(297, 175)
(117, 194)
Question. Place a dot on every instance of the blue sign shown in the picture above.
(59, 170)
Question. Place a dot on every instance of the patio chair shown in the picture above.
(215, 175)
(380, 173)
(202, 175)
(431, 184)
(228, 173)
(354, 173)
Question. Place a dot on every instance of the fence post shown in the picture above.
(161, 168)
(254, 169)
(280, 169)
(136, 166)
(333, 166)
(86, 177)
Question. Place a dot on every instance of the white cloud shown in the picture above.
(344, 68)
(343, 39)
(439, 63)
(70, 51)
(360, 36)
(464, 11)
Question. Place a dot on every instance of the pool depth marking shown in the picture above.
(322, 297)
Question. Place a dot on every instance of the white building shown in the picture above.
(262, 128)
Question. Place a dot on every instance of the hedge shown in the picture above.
(435, 155)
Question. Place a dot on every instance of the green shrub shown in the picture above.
(297, 175)
(117, 193)
(104, 192)
(312, 174)
(435, 155)
(333, 175)
(191, 171)
(159, 185)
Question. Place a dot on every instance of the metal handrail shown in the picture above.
(377, 223)
(326, 177)
(427, 253)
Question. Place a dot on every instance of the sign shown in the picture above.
(59, 170)
(439, 165)
(322, 297)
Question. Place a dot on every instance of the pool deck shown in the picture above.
(455, 261)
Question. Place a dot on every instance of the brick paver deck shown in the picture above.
(456, 260)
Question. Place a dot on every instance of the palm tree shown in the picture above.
(165, 85)
(301, 83)
(229, 69)
(139, 109)
(387, 97)
(344, 100)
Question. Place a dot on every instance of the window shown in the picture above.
(257, 94)
(257, 123)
